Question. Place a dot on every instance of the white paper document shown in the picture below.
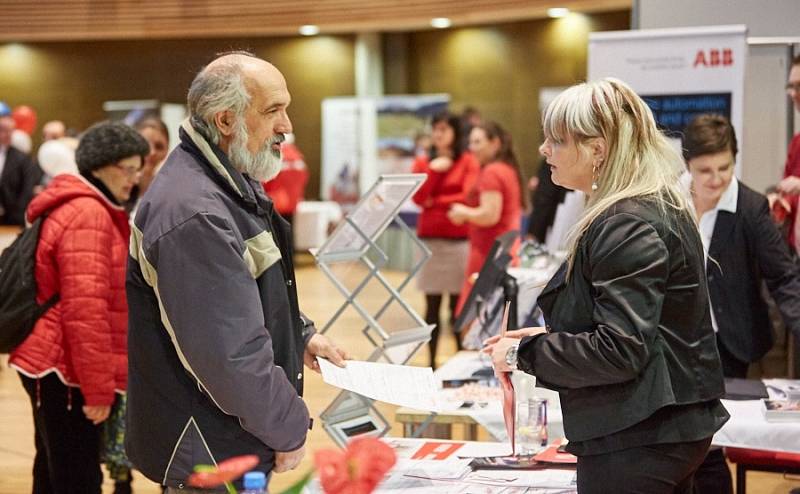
(551, 478)
(403, 385)
(451, 469)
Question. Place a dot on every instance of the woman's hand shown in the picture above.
(441, 164)
(498, 346)
(498, 352)
(97, 414)
(517, 334)
(458, 213)
(789, 186)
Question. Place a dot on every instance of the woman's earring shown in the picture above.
(594, 177)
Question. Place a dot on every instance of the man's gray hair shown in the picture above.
(215, 89)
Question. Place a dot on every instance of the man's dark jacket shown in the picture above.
(215, 337)
(17, 181)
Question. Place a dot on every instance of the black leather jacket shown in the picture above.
(630, 330)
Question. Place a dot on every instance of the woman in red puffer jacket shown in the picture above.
(75, 360)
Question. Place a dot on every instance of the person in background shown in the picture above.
(422, 144)
(217, 341)
(74, 363)
(743, 248)
(452, 172)
(628, 341)
(494, 205)
(54, 129)
(545, 198)
(18, 177)
(289, 186)
(155, 132)
(790, 185)
(469, 118)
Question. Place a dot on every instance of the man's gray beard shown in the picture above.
(262, 166)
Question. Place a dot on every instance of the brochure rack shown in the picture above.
(354, 241)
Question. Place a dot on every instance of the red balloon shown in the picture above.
(25, 117)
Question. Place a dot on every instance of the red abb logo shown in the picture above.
(714, 57)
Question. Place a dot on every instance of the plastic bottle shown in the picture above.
(255, 483)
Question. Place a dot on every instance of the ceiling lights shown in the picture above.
(441, 22)
(557, 12)
(309, 30)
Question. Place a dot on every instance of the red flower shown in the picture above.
(356, 470)
(225, 471)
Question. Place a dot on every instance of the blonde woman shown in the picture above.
(628, 342)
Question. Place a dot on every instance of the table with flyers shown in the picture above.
(426, 466)
(747, 427)
(473, 408)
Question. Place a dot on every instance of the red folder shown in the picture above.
(552, 455)
(509, 405)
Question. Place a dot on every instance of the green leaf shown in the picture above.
(298, 487)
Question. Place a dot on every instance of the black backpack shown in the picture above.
(18, 308)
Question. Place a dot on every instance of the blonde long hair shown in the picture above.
(640, 160)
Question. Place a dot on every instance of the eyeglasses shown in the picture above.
(130, 171)
(793, 87)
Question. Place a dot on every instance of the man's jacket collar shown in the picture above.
(221, 167)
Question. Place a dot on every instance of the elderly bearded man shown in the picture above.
(216, 339)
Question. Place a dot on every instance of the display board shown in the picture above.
(680, 73)
(363, 138)
(370, 217)
(392, 340)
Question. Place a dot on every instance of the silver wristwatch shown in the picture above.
(511, 356)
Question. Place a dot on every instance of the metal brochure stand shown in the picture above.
(354, 240)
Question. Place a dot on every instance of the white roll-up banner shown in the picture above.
(680, 73)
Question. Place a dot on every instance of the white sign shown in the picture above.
(681, 72)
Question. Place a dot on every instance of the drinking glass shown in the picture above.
(531, 426)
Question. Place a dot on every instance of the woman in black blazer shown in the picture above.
(628, 343)
(743, 248)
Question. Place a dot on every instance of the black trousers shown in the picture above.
(67, 444)
(713, 476)
(653, 469)
(731, 366)
(433, 303)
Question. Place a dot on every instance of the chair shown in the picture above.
(760, 460)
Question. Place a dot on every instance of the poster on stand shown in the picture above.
(364, 138)
(680, 72)
(342, 149)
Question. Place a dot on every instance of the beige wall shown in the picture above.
(70, 81)
(499, 69)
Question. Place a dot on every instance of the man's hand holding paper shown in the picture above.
(320, 346)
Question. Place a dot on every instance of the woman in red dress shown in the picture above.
(494, 206)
